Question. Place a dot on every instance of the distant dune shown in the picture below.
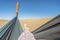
(32, 24)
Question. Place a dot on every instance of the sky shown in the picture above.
(29, 9)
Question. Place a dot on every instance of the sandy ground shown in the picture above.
(32, 24)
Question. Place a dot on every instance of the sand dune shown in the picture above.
(32, 24)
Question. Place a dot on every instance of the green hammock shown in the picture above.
(12, 30)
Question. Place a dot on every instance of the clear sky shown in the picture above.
(29, 9)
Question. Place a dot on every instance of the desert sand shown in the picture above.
(32, 24)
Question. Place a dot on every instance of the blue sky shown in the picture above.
(29, 9)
